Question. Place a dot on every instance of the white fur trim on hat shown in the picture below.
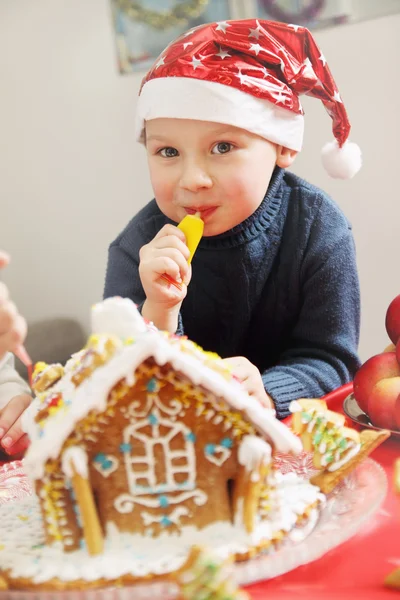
(188, 98)
(342, 163)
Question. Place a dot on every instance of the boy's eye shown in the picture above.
(169, 152)
(222, 148)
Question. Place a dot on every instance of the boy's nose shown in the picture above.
(195, 177)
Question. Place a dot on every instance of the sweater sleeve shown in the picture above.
(322, 354)
(11, 384)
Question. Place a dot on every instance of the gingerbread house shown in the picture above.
(146, 439)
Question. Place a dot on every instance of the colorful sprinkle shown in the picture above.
(165, 521)
(152, 419)
(153, 385)
(209, 449)
(126, 447)
(227, 443)
(191, 437)
(164, 502)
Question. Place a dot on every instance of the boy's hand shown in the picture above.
(167, 253)
(12, 324)
(12, 437)
(250, 378)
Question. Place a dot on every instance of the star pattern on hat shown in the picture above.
(255, 48)
(243, 78)
(322, 59)
(196, 62)
(160, 62)
(336, 97)
(255, 33)
(222, 26)
(222, 54)
(280, 97)
(187, 44)
(308, 68)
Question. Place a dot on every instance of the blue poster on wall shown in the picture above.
(143, 28)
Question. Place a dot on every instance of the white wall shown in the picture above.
(71, 175)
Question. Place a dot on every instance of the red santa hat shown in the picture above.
(249, 74)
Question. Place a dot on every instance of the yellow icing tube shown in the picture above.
(193, 227)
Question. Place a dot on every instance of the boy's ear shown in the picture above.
(285, 157)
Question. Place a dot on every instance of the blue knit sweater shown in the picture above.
(281, 289)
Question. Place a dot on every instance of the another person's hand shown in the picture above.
(250, 378)
(12, 437)
(12, 324)
(167, 254)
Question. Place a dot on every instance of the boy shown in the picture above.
(274, 287)
(14, 392)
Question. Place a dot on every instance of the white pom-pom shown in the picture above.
(341, 163)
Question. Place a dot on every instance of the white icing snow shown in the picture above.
(92, 393)
(253, 452)
(75, 460)
(117, 316)
(24, 553)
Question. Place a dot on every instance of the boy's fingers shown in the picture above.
(170, 230)
(10, 424)
(172, 241)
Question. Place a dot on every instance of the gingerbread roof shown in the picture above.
(116, 321)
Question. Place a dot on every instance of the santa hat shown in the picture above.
(249, 74)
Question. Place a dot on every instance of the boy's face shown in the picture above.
(218, 170)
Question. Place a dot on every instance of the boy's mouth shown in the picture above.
(205, 211)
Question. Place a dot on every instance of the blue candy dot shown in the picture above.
(125, 447)
(227, 443)
(153, 419)
(152, 385)
(209, 449)
(99, 458)
(191, 437)
(107, 464)
(166, 522)
(163, 500)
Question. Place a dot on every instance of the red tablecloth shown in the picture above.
(356, 568)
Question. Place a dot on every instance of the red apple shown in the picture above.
(381, 366)
(397, 350)
(397, 412)
(392, 321)
(382, 403)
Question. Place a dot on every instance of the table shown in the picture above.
(356, 568)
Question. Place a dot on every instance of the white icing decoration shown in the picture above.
(125, 503)
(117, 316)
(219, 456)
(143, 453)
(348, 455)
(25, 556)
(75, 459)
(92, 393)
(174, 517)
(106, 471)
(253, 452)
(295, 406)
